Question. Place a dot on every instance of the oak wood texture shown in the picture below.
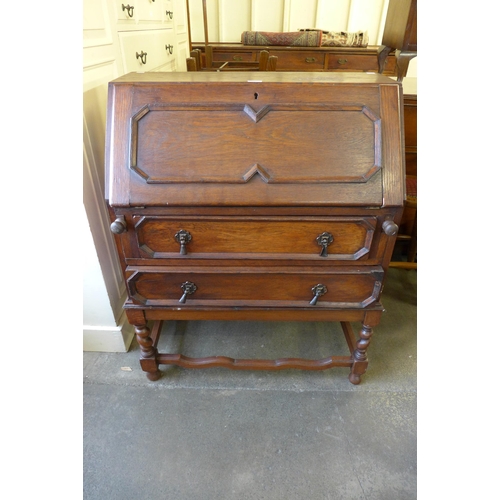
(254, 196)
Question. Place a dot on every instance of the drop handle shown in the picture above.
(390, 228)
(323, 240)
(129, 9)
(169, 14)
(118, 226)
(142, 56)
(183, 238)
(188, 288)
(318, 291)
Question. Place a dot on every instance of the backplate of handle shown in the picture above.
(183, 238)
(188, 288)
(324, 239)
(318, 290)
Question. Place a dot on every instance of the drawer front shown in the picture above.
(234, 56)
(299, 61)
(146, 50)
(236, 287)
(316, 238)
(348, 62)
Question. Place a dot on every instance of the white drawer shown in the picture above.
(146, 50)
(148, 11)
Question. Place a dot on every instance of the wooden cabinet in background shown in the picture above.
(306, 58)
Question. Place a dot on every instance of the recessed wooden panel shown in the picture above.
(282, 144)
(263, 237)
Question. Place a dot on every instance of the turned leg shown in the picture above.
(360, 359)
(148, 360)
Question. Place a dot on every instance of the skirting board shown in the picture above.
(107, 338)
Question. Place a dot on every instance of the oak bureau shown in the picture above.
(254, 196)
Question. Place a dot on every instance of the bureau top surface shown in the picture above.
(354, 78)
(254, 139)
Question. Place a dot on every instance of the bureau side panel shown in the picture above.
(391, 110)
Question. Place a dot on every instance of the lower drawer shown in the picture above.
(254, 287)
(352, 62)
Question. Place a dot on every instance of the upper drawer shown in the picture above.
(254, 139)
(306, 238)
(299, 60)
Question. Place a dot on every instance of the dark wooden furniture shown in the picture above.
(196, 62)
(408, 227)
(400, 35)
(349, 59)
(254, 196)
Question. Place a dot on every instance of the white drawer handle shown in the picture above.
(169, 48)
(169, 14)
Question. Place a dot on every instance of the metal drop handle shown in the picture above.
(324, 239)
(318, 291)
(142, 56)
(129, 9)
(183, 238)
(188, 288)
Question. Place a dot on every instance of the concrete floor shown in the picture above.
(222, 434)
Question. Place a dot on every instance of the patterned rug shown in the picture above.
(306, 38)
(291, 38)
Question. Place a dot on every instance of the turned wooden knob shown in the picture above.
(118, 226)
(390, 228)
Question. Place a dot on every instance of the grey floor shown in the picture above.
(222, 434)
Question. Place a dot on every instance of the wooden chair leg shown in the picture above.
(412, 250)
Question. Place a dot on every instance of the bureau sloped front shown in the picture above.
(310, 142)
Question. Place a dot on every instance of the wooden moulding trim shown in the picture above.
(256, 116)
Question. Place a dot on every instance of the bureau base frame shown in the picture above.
(150, 358)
